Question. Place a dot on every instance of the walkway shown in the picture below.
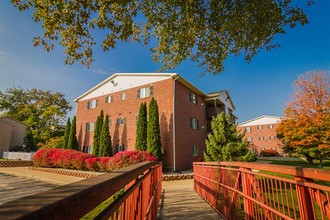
(180, 201)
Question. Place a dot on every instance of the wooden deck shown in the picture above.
(180, 201)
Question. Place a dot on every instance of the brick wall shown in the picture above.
(129, 108)
(266, 132)
(186, 137)
(16, 163)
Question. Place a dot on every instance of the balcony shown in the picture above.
(214, 111)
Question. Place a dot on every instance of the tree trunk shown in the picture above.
(309, 159)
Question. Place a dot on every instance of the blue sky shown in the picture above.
(261, 87)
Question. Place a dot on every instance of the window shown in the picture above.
(247, 129)
(193, 123)
(123, 96)
(109, 99)
(261, 138)
(90, 126)
(109, 122)
(145, 92)
(120, 147)
(92, 104)
(249, 139)
(195, 150)
(88, 149)
(193, 98)
(271, 137)
(121, 121)
(270, 126)
(260, 127)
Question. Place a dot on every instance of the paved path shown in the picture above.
(180, 201)
(57, 179)
(14, 187)
(18, 182)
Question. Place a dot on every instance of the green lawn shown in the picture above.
(302, 163)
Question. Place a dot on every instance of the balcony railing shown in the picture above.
(262, 191)
(140, 187)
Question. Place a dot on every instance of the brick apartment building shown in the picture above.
(185, 113)
(261, 132)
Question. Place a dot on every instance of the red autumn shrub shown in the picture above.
(268, 153)
(72, 159)
(92, 163)
(128, 158)
(60, 158)
(104, 163)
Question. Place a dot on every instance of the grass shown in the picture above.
(4, 159)
(97, 210)
(302, 163)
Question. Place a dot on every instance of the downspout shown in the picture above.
(174, 145)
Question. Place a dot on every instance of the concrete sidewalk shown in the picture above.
(57, 179)
(180, 201)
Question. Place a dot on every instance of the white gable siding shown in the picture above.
(262, 120)
(122, 82)
(223, 96)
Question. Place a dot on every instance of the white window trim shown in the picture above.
(195, 150)
(92, 104)
(90, 126)
(109, 99)
(123, 96)
(194, 123)
(145, 92)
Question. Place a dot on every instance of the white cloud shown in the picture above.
(3, 52)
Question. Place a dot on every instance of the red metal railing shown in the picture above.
(139, 186)
(238, 190)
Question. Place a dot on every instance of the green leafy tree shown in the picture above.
(29, 142)
(73, 143)
(226, 143)
(43, 112)
(141, 128)
(206, 31)
(97, 134)
(66, 133)
(153, 132)
(105, 139)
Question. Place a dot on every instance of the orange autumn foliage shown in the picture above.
(306, 128)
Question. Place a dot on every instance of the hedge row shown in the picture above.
(72, 159)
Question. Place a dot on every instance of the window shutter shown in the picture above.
(88, 104)
(96, 101)
(138, 93)
(191, 124)
(151, 88)
(196, 123)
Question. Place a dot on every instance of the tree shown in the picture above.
(206, 31)
(306, 128)
(141, 128)
(97, 134)
(66, 133)
(153, 132)
(105, 139)
(73, 143)
(29, 142)
(225, 143)
(43, 112)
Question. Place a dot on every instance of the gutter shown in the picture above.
(174, 145)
